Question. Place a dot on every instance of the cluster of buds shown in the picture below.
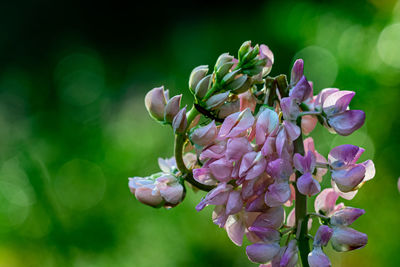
(250, 156)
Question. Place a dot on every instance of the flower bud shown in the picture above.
(197, 74)
(266, 54)
(172, 108)
(323, 235)
(204, 136)
(179, 123)
(230, 77)
(222, 59)
(155, 101)
(217, 100)
(290, 256)
(262, 252)
(317, 258)
(203, 86)
(170, 189)
(244, 49)
(149, 196)
(240, 84)
(346, 216)
(297, 72)
(228, 108)
(346, 238)
(223, 70)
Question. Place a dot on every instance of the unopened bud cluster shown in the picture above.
(247, 151)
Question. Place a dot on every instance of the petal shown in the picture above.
(317, 258)
(348, 179)
(323, 235)
(237, 147)
(347, 122)
(290, 109)
(277, 194)
(301, 90)
(346, 238)
(234, 203)
(337, 102)
(262, 252)
(320, 99)
(235, 228)
(346, 216)
(221, 169)
(369, 170)
(325, 202)
(272, 218)
(219, 216)
(297, 72)
(267, 235)
(307, 185)
(267, 121)
(344, 155)
(290, 256)
(308, 123)
(292, 130)
(204, 136)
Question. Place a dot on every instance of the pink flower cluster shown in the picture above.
(251, 158)
(251, 161)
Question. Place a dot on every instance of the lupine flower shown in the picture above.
(325, 202)
(179, 122)
(204, 136)
(346, 238)
(266, 53)
(287, 256)
(335, 107)
(236, 124)
(155, 102)
(317, 257)
(309, 146)
(172, 108)
(306, 184)
(346, 173)
(343, 238)
(297, 72)
(250, 162)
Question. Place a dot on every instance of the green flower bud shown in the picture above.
(229, 77)
(224, 58)
(203, 86)
(244, 49)
(217, 100)
(223, 70)
(197, 74)
(239, 85)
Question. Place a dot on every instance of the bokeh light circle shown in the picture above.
(320, 66)
(79, 184)
(388, 45)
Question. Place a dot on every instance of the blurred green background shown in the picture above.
(73, 125)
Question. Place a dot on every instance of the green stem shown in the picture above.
(180, 139)
(301, 211)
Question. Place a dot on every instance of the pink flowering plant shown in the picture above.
(242, 142)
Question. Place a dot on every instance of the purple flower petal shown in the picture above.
(347, 122)
(262, 252)
(348, 179)
(346, 216)
(317, 258)
(346, 238)
(307, 185)
(277, 194)
(323, 235)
